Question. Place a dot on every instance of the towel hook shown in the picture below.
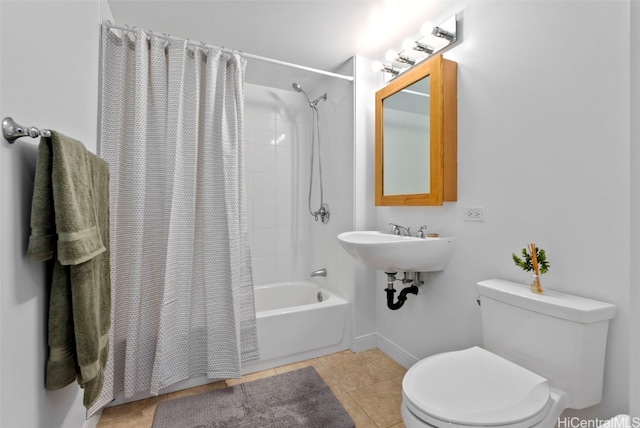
(12, 131)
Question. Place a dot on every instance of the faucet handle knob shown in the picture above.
(420, 233)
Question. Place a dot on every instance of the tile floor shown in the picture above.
(368, 384)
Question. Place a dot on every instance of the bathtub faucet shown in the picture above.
(319, 272)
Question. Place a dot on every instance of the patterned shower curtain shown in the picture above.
(172, 132)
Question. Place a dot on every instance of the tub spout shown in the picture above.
(319, 272)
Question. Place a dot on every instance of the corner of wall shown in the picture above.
(634, 322)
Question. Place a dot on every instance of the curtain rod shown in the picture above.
(12, 131)
(244, 54)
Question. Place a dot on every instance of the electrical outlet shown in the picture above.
(473, 214)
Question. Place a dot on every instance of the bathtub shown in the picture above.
(296, 321)
(293, 325)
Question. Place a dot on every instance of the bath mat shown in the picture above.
(297, 399)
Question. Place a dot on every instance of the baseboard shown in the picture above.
(375, 340)
(258, 365)
(398, 354)
(368, 341)
(92, 422)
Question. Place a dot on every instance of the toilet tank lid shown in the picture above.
(553, 303)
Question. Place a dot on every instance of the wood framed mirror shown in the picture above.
(416, 136)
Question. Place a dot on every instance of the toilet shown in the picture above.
(541, 354)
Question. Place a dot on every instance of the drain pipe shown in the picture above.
(413, 289)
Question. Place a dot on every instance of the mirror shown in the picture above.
(416, 136)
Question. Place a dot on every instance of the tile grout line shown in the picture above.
(347, 392)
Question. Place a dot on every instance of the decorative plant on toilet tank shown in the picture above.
(533, 259)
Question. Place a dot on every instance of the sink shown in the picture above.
(393, 253)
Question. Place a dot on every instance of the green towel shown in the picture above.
(70, 223)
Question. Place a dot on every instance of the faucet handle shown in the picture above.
(420, 233)
(394, 228)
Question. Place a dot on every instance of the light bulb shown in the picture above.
(391, 55)
(408, 44)
(426, 28)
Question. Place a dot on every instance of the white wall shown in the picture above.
(634, 330)
(543, 105)
(49, 78)
(365, 290)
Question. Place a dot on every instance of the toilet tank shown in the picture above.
(558, 336)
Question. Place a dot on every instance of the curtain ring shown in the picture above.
(109, 25)
(133, 31)
(167, 42)
(128, 33)
(204, 48)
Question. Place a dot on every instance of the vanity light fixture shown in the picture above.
(431, 40)
(422, 47)
(385, 68)
(404, 59)
(443, 34)
(388, 68)
(417, 45)
(399, 57)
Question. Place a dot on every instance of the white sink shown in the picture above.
(393, 253)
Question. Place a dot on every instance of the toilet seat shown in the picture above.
(475, 387)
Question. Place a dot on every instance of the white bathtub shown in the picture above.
(294, 325)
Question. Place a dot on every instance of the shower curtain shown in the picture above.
(172, 132)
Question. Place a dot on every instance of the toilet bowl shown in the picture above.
(515, 381)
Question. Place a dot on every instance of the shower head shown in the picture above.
(298, 88)
(312, 104)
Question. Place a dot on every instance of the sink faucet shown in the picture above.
(420, 233)
(400, 230)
